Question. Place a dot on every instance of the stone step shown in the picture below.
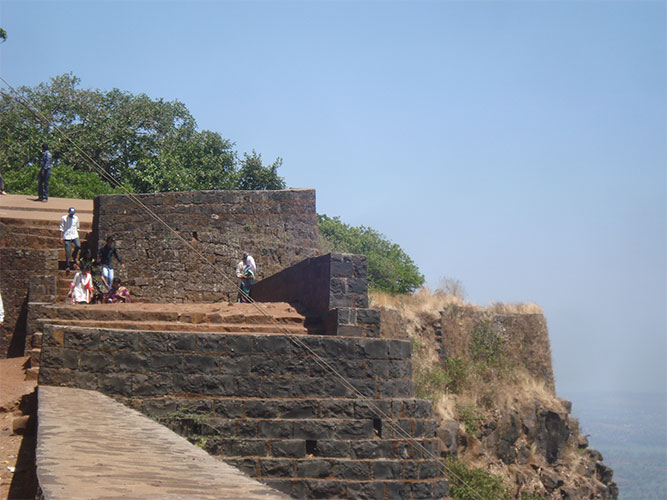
(359, 449)
(39, 223)
(341, 468)
(34, 354)
(170, 312)
(179, 326)
(162, 407)
(43, 232)
(432, 489)
(32, 373)
(36, 340)
(308, 429)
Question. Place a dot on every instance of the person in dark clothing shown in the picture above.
(45, 164)
(107, 254)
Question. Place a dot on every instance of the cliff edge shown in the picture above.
(488, 371)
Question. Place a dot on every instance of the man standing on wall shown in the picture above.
(44, 174)
(69, 233)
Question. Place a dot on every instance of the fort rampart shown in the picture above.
(164, 262)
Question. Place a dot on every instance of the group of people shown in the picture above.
(94, 280)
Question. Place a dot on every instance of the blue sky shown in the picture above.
(519, 147)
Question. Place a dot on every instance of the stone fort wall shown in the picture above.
(20, 267)
(278, 228)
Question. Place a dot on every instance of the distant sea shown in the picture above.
(630, 430)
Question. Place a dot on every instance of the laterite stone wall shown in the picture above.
(18, 267)
(278, 228)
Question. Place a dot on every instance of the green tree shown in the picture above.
(390, 269)
(3, 35)
(149, 145)
(254, 175)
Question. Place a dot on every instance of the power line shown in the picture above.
(281, 328)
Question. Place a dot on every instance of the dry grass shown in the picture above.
(423, 301)
(503, 386)
(514, 308)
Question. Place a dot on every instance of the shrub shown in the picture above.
(470, 417)
(473, 484)
(65, 182)
(486, 346)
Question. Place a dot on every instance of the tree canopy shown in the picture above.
(148, 145)
(100, 139)
(390, 269)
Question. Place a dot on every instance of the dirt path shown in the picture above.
(16, 471)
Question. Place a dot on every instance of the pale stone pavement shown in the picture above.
(92, 447)
(22, 206)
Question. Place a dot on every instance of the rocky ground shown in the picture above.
(17, 438)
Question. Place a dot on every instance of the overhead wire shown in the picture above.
(281, 328)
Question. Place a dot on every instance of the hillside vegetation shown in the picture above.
(487, 371)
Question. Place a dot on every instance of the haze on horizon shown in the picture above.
(517, 147)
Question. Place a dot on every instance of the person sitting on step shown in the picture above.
(117, 293)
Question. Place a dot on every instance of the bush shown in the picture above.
(470, 417)
(486, 346)
(65, 182)
(390, 269)
(434, 382)
(473, 484)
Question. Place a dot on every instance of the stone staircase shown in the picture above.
(252, 391)
(37, 227)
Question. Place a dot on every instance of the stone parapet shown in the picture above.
(90, 446)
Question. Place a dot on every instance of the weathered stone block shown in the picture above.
(88, 340)
(372, 449)
(332, 448)
(228, 408)
(297, 409)
(247, 447)
(290, 448)
(336, 409)
(239, 344)
(349, 331)
(275, 429)
(398, 490)
(387, 469)
(313, 468)
(151, 384)
(368, 316)
(373, 349)
(117, 341)
(399, 349)
(314, 429)
(129, 361)
(276, 387)
(351, 469)
(325, 489)
(353, 429)
(276, 467)
(163, 362)
(95, 361)
(422, 490)
(212, 343)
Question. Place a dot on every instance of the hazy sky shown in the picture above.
(519, 147)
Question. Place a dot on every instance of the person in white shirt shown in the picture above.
(82, 286)
(69, 233)
(2, 312)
